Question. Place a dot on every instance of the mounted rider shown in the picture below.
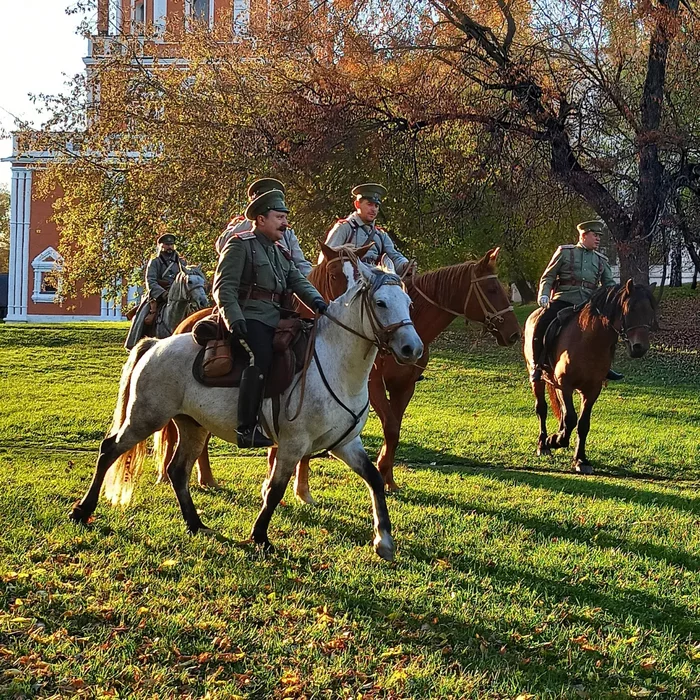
(239, 224)
(161, 270)
(359, 229)
(253, 272)
(573, 274)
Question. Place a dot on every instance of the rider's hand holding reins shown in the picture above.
(239, 329)
(320, 306)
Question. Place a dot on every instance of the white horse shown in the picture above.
(185, 296)
(157, 385)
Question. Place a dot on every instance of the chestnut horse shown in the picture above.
(329, 279)
(470, 290)
(581, 357)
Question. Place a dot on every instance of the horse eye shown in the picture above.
(381, 304)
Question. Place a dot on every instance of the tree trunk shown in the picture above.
(676, 263)
(634, 260)
(527, 293)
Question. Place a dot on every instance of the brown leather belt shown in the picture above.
(575, 282)
(260, 295)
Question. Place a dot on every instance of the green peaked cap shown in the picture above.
(265, 184)
(268, 201)
(593, 226)
(167, 238)
(372, 191)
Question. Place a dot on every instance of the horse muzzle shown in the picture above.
(406, 346)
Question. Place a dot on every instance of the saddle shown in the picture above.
(220, 363)
(558, 323)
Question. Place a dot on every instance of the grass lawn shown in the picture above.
(514, 578)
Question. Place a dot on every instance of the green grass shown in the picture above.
(513, 576)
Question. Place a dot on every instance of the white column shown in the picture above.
(18, 279)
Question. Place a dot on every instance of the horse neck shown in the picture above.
(428, 319)
(350, 356)
(596, 332)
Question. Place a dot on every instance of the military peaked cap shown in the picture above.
(266, 184)
(371, 191)
(592, 226)
(167, 238)
(269, 201)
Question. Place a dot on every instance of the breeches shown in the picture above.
(550, 313)
(260, 337)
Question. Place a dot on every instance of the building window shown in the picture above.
(139, 16)
(241, 16)
(47, 271)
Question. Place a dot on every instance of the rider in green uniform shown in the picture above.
(573, 274)
(253, 272)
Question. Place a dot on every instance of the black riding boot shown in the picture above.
(613, 375)
(249, 399)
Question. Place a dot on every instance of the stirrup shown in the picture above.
(252, 437)
(613, 375)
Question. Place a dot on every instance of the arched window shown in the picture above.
(47, 276)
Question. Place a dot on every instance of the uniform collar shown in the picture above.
(583, 248)
(358, 219)
(263, 239)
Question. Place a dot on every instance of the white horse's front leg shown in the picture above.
(273, 489)
(354, 455)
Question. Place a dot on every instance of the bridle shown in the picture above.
(493, 318)
(382, 335)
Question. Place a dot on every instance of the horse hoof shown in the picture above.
(78, 515)
(305, 498)
(544, 451)
(391, 487)
(384, 547)
(581, 467)
(209, 484)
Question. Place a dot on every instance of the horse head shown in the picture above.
(487, 301)
(331, 279)
(195, 284)
(383, 309)
(638, 317)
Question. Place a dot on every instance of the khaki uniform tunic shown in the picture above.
(251, 260)
(289, 241)
(156, 270)
(357, 233)
(574, 273)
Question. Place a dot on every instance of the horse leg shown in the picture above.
(192, 438)
(272, 492)
(567, 422)
(354, 455)
(399, 401)
(541, 411)
(581, 463)
(382, 407)
(205, 477)
(271, 459)
(301, 482)
(165, 449)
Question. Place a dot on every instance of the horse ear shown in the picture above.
(483, 263)
(493, 254)
(629, 287)
(328, 252)
(363, 250)
(365, 272)
(388, 264)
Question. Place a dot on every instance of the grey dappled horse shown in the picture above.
(157, 386)
(185, 296)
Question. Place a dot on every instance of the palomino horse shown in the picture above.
(581, 357)
(157, 386)
(329, 279)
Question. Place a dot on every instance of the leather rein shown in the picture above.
(493, 317)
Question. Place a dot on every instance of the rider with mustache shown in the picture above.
(240, 224)
(252, 274)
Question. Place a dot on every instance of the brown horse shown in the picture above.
(581, 357)
(329, 279)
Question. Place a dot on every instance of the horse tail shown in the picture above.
(122, 475)
(554, 400)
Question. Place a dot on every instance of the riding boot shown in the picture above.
(613, 375)
(249, 399)
(538, 357)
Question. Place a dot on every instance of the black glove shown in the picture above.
(320, 306)
(239, 329)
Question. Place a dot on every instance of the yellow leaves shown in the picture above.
(525, 696)
(324, 617)
(648, 664)
(291, 683)
(583, 643)
(12, 576)
(142, 611)
(392, 652)
(168, 564)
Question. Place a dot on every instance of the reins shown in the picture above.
(492, 316)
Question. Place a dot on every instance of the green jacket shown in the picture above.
(248, 260)
(574, 273)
